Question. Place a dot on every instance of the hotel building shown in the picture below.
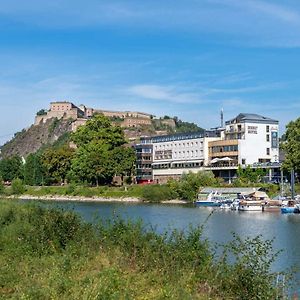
(174, 155)
(248, 139)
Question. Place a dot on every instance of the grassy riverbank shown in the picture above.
(185, 189)
(51, 254)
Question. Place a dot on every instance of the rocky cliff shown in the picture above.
(30, 140)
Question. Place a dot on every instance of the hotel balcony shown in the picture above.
(235, 130)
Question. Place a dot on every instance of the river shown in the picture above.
(285, 229)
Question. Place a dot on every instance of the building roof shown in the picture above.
(180, 136)
(253, 118)
(230, 190)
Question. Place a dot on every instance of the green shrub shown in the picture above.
(70, 189)
(188, 186)
(157, 193)
(2, 187)
(17, 187)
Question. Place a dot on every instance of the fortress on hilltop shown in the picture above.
(80, 114)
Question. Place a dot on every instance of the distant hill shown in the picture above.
(53, 132)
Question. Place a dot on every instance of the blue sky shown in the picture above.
(182, 58)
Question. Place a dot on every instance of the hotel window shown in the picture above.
(268, 151)
(268, 138)
(268, 128)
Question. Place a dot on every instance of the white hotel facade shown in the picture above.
(248, 139)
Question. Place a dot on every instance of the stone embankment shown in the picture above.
(92, 199)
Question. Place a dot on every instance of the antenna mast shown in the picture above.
(222, 118)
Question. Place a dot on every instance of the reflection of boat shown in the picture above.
(213, 199)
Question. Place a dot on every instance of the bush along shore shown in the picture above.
(184, 191)
(52, 254)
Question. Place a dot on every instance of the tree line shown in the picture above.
(98, 154)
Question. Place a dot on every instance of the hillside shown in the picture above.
(30, 140)
(51, 131)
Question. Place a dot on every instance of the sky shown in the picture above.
(180, 58)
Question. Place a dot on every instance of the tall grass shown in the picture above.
(84, 191)
(53, 254)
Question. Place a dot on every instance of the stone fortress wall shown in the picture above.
(80, 114)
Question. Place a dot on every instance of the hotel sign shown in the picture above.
(274, 139)
(252, 129)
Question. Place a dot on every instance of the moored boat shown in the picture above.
(272, 206)
(253, 201)
(289, 207)
(226, 204)
(213, 199)
(250, 205)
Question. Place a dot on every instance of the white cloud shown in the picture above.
(164, 93)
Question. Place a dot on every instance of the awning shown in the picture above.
(215, 160)
(225, 159)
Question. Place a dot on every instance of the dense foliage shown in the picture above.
(291, 146)
(188, 186)
(52, 254)
(34, 170)
(57, 163)
(182, 126)
(249, 175)
(101, 153)
(11, 168)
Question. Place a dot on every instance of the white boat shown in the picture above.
(250, 205)
(213, 199)
(226, 204)
(254, 201)
(235, 204)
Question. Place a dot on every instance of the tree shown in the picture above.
(100, 154)
(92, 163)
(11, 168)
(124, 161)
(41, 112)
(99, 129)
(188, 186)
(34, 171)
(249, 175)
(291, 146)
(186, 126)
(57, 163)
